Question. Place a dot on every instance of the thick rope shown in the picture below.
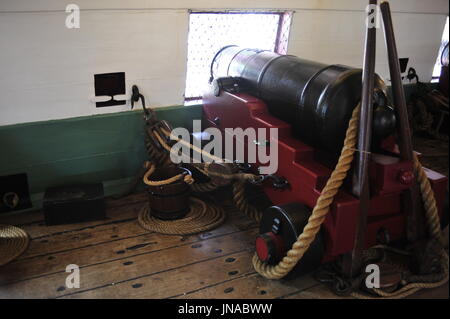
(431, 212)
(204, 187)
(155, 155)
(319, 212)
(163, 158)
(13, 243)
(203, 167)
(238, 186)
(410, 288)
(435, 232)
(187, 144)
(151, 169)
(241, 202)
(201, 217)
(322, 208)
(168, 148)
(235, 176)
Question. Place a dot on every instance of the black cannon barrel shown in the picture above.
(317, 99)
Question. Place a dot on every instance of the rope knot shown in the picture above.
(188, 179)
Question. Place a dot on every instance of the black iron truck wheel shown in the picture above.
(280, 226)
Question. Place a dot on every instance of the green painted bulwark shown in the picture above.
(101, 148)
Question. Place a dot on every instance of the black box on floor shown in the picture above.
(73, 204)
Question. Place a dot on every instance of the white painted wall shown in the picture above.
(47, 71)
(341, 39)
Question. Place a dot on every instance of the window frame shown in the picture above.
(282, 15)
(444, 43)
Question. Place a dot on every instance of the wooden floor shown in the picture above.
(119, 259)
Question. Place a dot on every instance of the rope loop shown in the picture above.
(320, 210)
(187, 178)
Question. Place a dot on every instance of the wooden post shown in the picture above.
(352, 262)
(411, 199)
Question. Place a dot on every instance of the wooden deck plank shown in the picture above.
(82, 238)
(177, 281)
(82, 254)
(124, 269)
(318, 291)
(91, 235)
(118, 259)
(252, 286)
(53, 263)
(114, 215)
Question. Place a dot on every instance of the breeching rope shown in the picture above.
(13, 243)
(201, 217)
(319, 212)
(322, 208)
(151, 169)
(432, 221)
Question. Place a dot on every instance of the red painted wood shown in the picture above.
(307, 176)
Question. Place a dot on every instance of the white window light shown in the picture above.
(437, 66)
(211, 31)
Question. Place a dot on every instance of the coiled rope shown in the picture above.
(434, 230)
(13, 243)
(201, 217)
(322, 208)
(319, 212)
(203, 167)
(410, 288)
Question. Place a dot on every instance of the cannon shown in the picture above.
(313, 97)
(310, 104)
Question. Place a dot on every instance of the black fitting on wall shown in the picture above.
(135, 96)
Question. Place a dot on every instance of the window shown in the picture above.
(437, 66)
(211, 31)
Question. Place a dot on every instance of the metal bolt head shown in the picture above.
(405, 177)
